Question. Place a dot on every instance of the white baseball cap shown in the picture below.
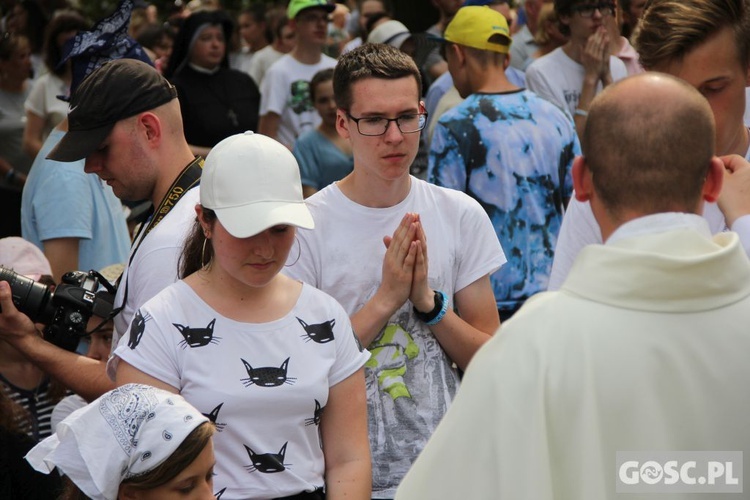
(393, 33)
(252, 182)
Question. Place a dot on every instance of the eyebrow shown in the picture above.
(410, 111)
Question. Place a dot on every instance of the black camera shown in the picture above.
(66, 310)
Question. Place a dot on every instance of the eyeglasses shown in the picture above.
(313, 18)
(378, 125)
(587, 10)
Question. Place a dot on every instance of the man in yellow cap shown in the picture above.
(506, 147)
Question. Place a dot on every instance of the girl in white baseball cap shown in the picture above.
(274, 362)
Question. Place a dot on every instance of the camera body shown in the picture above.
(66, 310)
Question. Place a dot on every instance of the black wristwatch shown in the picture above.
(433, 317)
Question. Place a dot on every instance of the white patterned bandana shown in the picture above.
(127, 432)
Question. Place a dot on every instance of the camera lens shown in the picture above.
(30, 297)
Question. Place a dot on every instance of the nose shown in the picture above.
(263, 245)
(393, 133)
(206, 490)
(93, 163)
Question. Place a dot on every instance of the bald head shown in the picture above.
(648, 143)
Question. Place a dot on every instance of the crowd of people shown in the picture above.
(342, 259)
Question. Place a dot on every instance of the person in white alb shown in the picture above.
(644, 348)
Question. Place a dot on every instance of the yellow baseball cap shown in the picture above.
(481, 28)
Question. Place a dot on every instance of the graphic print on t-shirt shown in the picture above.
(220, 492)
(299, 100)
(136, 328)
(315, 420)
(214, 416)
(267, 376)
(267, 463)
(321, 333)
(197, 337)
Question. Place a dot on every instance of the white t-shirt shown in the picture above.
(579, 228)
(261, 61)
(559, 79)
(43, 101)
(410, 379)
(154, 266)
(264, 385)
(285, 90)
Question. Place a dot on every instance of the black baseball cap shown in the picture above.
(117, 90)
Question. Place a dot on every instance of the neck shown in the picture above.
(329, 130)
(574, 49)
(741, 144)
(255, 47)
(307, 53)
(373, 192)
(492, 81)
(240, 302)
(11, 84)
(177, 163)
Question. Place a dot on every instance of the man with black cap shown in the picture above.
(125, 120)
(285, 106)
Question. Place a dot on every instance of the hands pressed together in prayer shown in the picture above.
(405, 266)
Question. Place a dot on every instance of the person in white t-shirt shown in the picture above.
(283, 43)
(286, 110)
(570, 76)
(709, 49)
(273, 362)
(409, 261)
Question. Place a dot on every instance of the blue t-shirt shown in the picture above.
(512, 152)
(60, 200)
(320, 161)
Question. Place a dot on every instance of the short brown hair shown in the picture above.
(322, 76)
(370, 60)
(649, 158)
(669, 29)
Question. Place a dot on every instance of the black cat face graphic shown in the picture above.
(137, 327)
(214, 417)
(315, 420)
(221, 492)
(267, 376)
(267, 463)
(320, 333)
(197, 337)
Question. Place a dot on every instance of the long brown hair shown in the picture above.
(193, 256)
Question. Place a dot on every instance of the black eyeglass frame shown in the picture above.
(606, 9)
(422, 122)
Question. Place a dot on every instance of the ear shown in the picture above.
(205, 225)
(714, 180)
(342, 123)
(583, 183)
(459, 53)
(151, 125)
